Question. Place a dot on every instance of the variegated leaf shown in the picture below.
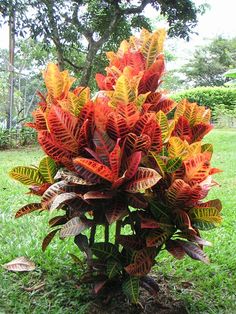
(73, 227)
(144, 179)
(48, 239)
(48, 169)
(27, 175)
(130, 288)
(29, 208)
(20, 264)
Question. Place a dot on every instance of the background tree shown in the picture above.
(80, 30)
(210, 62)
(30, 58)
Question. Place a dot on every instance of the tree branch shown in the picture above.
(78, 68)
(136, 10)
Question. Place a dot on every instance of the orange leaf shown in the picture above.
(95, 167)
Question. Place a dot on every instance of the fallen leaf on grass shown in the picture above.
(35, 287)
(20, 264)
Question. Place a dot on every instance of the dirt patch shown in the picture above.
(162, 303)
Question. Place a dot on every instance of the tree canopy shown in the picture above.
(211, 61)
(81, 30)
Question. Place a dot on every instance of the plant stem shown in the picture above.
(106, 233)
(118, 228)
(92, 235)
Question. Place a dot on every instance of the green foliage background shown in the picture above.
(209, 96)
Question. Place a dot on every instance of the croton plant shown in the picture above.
(128, 160)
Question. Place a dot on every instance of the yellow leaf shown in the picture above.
(57, 83)
(177, 147)
(152, 46)
(123, 91)
(194, 148)
(162, 120)
(191, 112)
(180, 108)
(141, 99)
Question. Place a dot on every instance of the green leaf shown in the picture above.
(27, 175)
(105, 250)
(173, 164)
(48, 169)
(207, 148)
(160, 163)
(205, 218)
(131, 288)
(113, 268)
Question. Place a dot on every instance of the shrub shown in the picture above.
(209, 96)
(12, 138)
(117, 160)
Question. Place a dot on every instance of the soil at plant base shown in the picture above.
(162, 303)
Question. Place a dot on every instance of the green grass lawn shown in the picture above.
(211, 288)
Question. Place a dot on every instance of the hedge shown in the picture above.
(209, 96)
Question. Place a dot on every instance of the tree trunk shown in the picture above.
(88, 67)
(60, 58)
(11, 68)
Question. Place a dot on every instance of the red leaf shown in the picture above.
(39, 189)
(156, 238)
(84, 135)
(101, 113)
(132, 242)
(175, 249)
(156, 138)
(145, 124)
(29, 208)
(152, 76)
(87, 113)
(132, 165)
(117, 126)
(98, 195)
(104, 145)
(116, 211)
(193, 251)
(200, 130)
(129, 112)
(51, 148)
(100, 80)
(182, 129)
(165, 105)
(64, 127)
(39, 120)
(115, 160)
(137, 201)
(213, 203)
(48, 239)
(143, 262)
(180, 194)
(149, 223)
(95, 168)
(182, 220)
(134, 143)
(197, 168)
